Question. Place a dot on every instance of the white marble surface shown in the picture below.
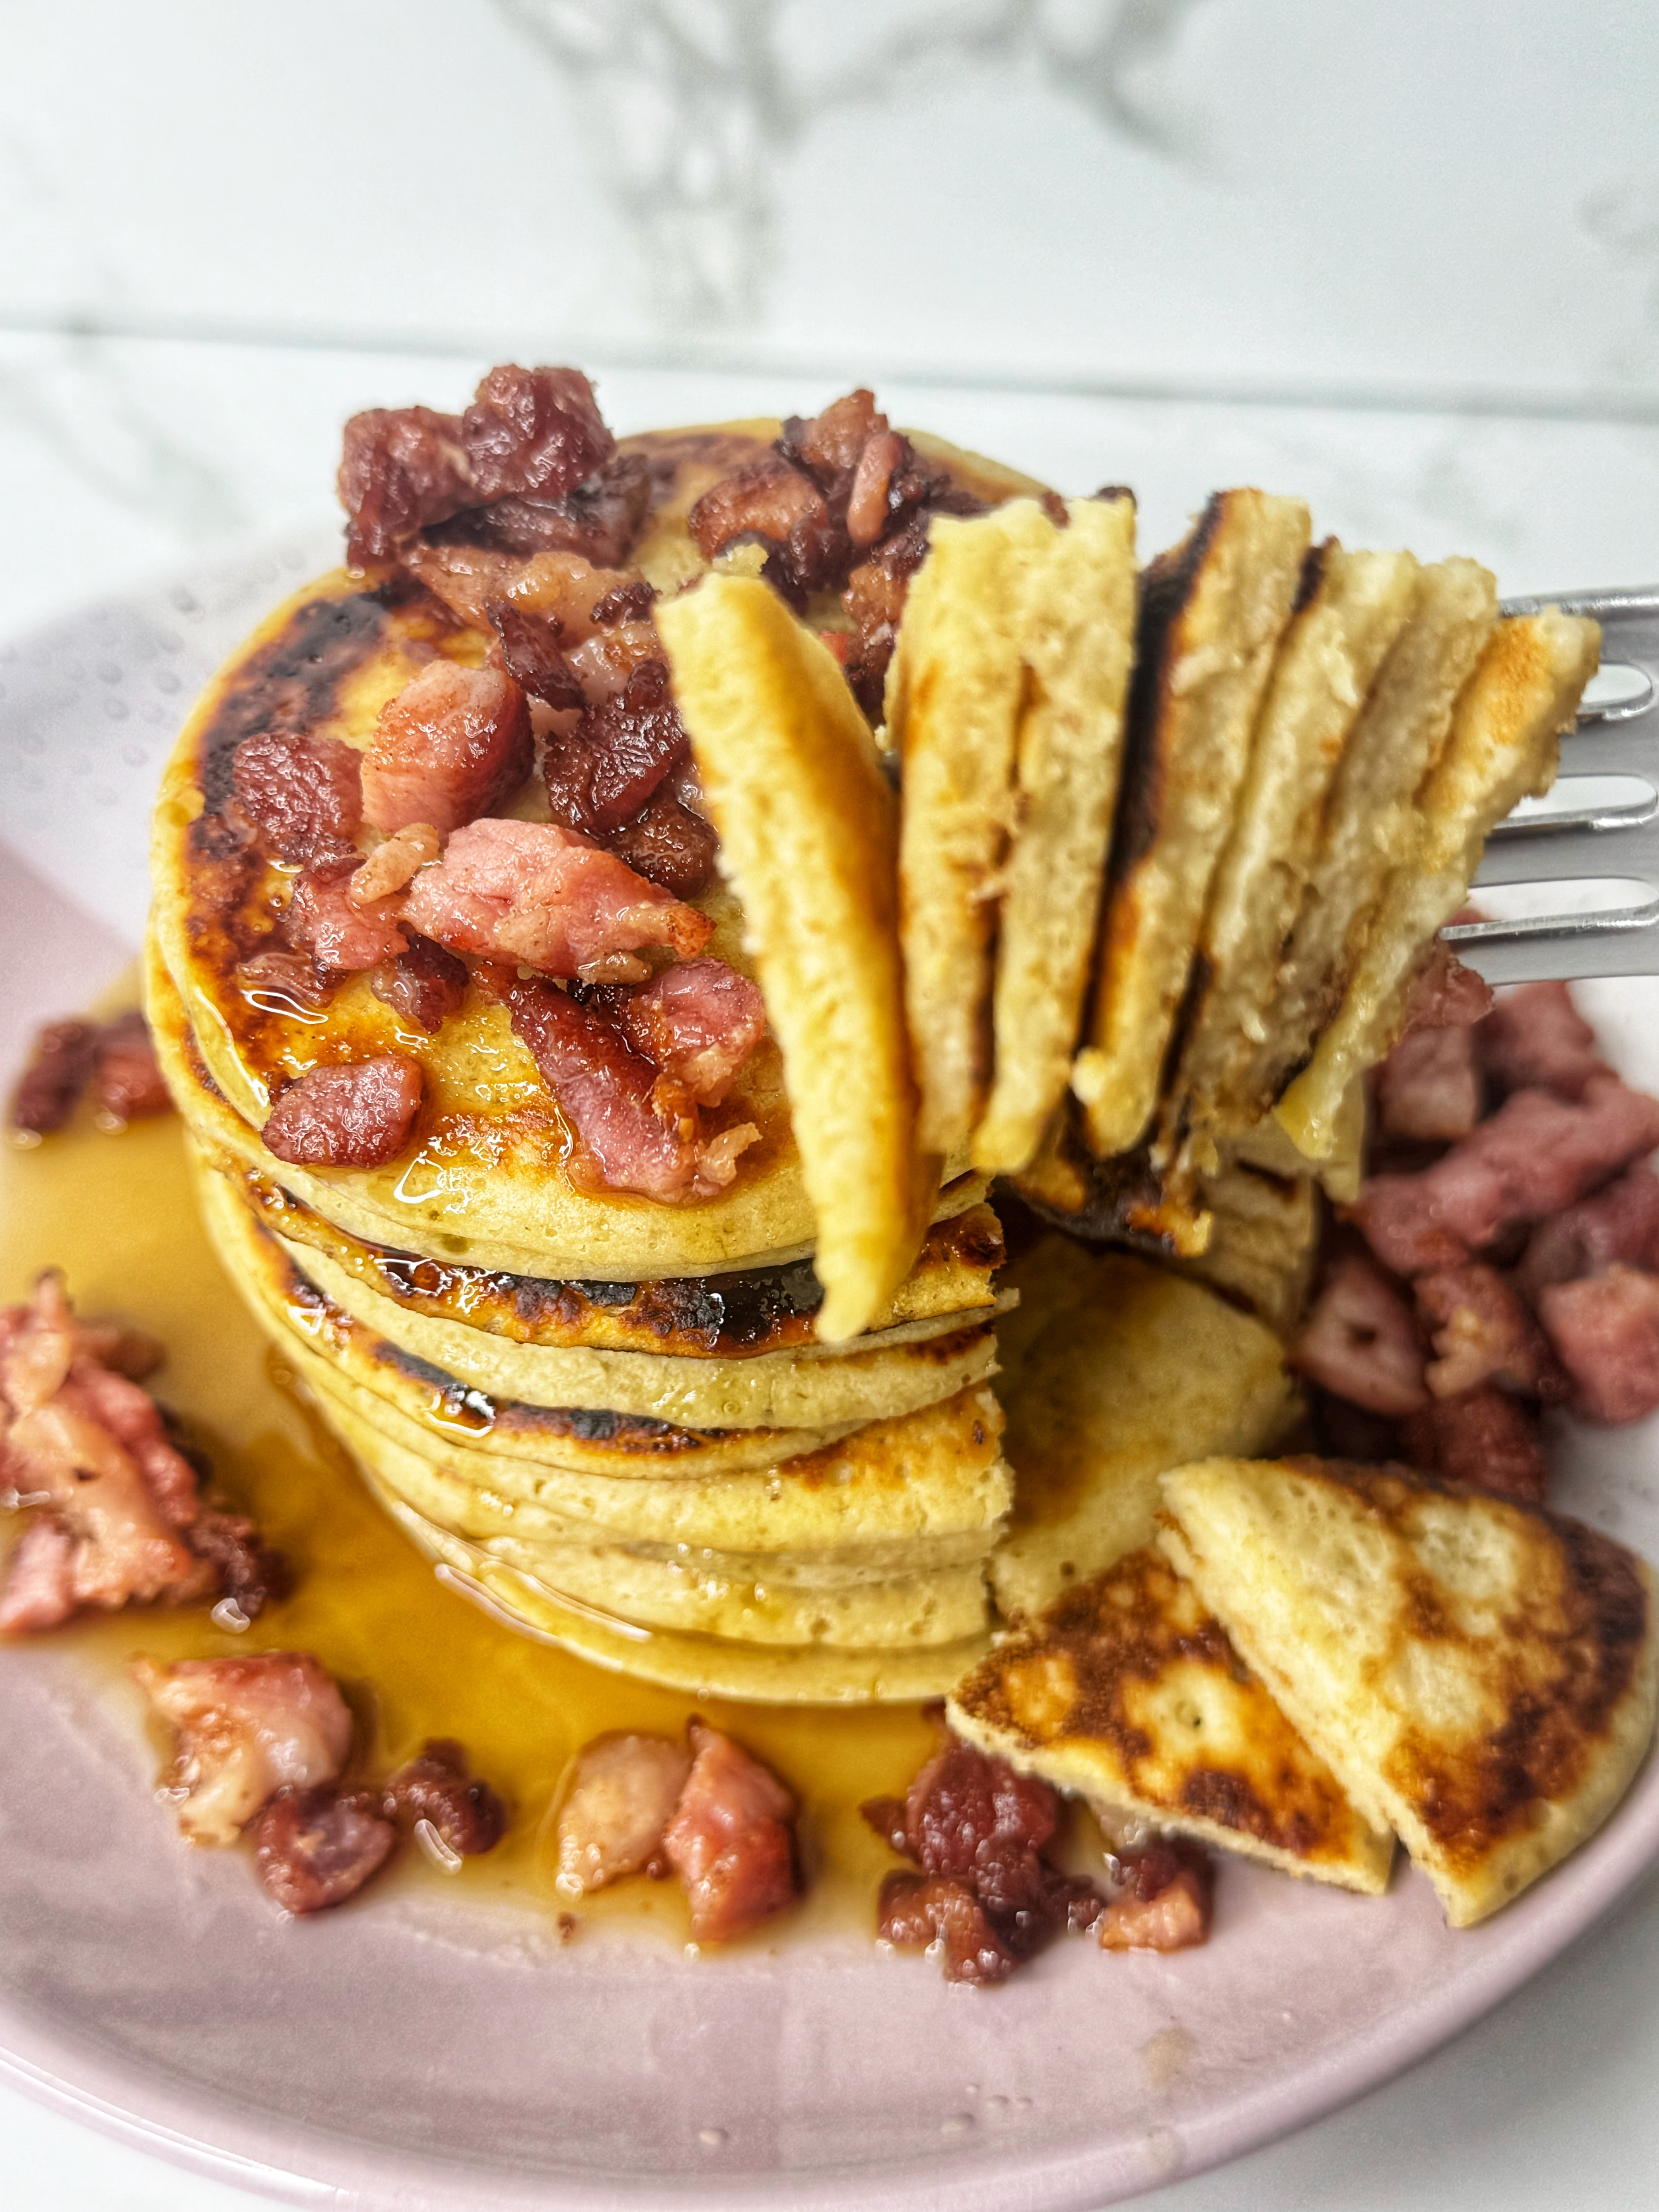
(1405, 260)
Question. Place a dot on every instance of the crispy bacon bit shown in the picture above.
(1606, 1328)
(358, 1114)
(246, 1728)
(315, 1848)
(668, 843)
(874, 600)
(1428, 1087)
(1164, 1903)
(828, 446)
(631, 602)
(40, 1590)
(534, 433)
(1360, 1340)
(454, 744)
(471, 579)
(603, 663)
(611, 1096)
(768, 499)
(531, 655)
(699, 1022)
(601, 773)
(467, 1816)
(915, 1910)
(1485, 1438)
(303, 794)
(127, 1083)
(1536, 1154)
(1535, 1038)
(622, 1797)
(1619, 1223)
(732, 1840)
(537, 893)
(1447, 994)
(1483, 1332)
(392, 865)
(600, 520)
(336, 933)
(280, 982)
(59, 1068)
(423, 985)
(247, 1570)
(402, 468)
(867, 512)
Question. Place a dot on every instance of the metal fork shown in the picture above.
(1561, 844)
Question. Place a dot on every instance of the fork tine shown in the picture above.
(1540, 854)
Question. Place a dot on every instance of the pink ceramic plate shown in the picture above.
(430, 2054)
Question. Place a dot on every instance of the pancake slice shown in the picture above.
(1126, 1691)
(1212, 611)
(809, 842)
(1479, 1674)
(1504, 747)
(1114, 1370)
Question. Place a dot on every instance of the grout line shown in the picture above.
(718, 358)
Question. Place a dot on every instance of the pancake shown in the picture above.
(1503, 747)
(1126, 1690)
(1114, 1371)
(1479, 1674)
(1264, 1239)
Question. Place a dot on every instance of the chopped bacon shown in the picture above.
(40, 1590)
(614, 1101)
(830, 444)
(247, 1570)
(916, 1910)
(1534, 1038)
(626, 602)
(766, 499)
(127, 1083)
(537, 893)
(1428, 1087)
(339, 933)
(599, 519)
(1484, 1438)
(621, 1798)
(699, 1022)
(867, 511)
(668, 843)
(423, 985)
(1446, 995)
(453, 743)
(401, 468)
(1360, 1341)
(732, 1840)
(1483, 1332)
(356, 1115)
(534, 433)
(473, 578)
(59, 1068)
(1536, 1154)
(603, 663)
(465, 1814)
(1606, 1328)
(247, 1727)
(391, 867)
(874, 601)
(1619, 1223)
(303, 794)
(601, 774)
(315, 1848)
(1164, 1902)
(531, 655)
(280, 982)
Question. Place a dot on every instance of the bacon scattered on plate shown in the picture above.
(732, 1840)
(112, 1061)
(1360, 1340)
(246, 1728)
(621, 1799)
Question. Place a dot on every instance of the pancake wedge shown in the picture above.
(1479, 1673)
(809, 841)
(1504, 747)
(1264, 1238)
(1113, 1370)
(1212, 611)
(1126, 1689)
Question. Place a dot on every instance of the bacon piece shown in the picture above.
(668, 843)
(867, 512)
(915, 1910)
(537, 893)
(1360, 1341)
(531, 655)
(631, 602)
(601, 774)
(1536, 1154)
(874, 601)
(1535, 1038)
(604, 662)
(391, 867)
(246, 1569)
(611, 1096)
(303, 794)
(769, 500)
(1485, 1438)
(401, 468)
(339, 933)
(828, 446)
(357, 1114)
(1619, 1223)
(246, 1728)
(279, 982)
(315, 1848)
(1606, 1328)
(127, 1083)
(534, 433)
(1483, 1333)
(1447, 994)
(40, 1590)
(465, 1814)
(1429, 1086)
(600, 520)
(471, 579)
(59, 1067)
(423, 985)
(732, 1840)
(622, 1797)
(453, 743)
(699, 1022)
(1165, 1901)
